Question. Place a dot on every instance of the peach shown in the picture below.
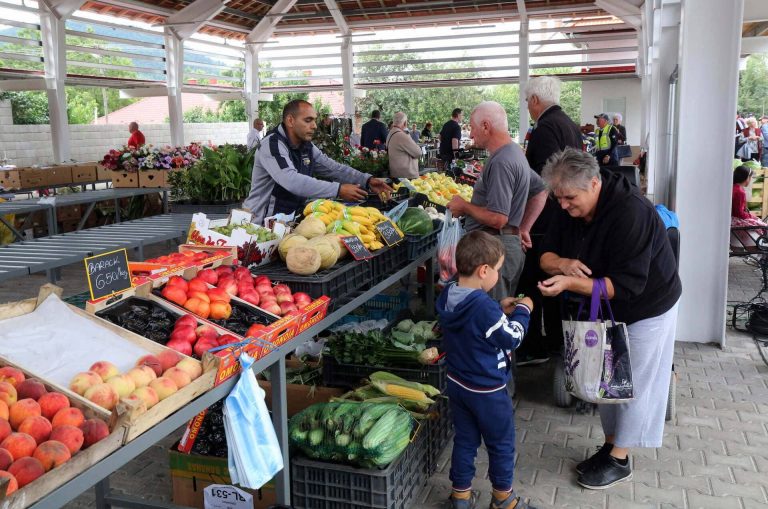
(30, 388)
(8, 393)
(5, 429)
(164, 387)
(209, 276)
(168, 359)
(192, 366)
(21, 410)
(51, 454)
(68, 416)
(147, 395)
(70, 436)
(203, 296)
(11, 375)
(26, 470)
(12, 485)
(4, 410)
(105, 369)
(93, 431)
(19, 445)
(179, 282)
(142, 375)
(186, 320)
(103, 395)
(38, 427)
(180, 346)
(151, 361)
(180, 377)
(220, 310)
(174, 294)
(5, 459)
(197, 285)
(122, 384)
(84, 381)
(51, 403)
(183, 333)
(219, 294)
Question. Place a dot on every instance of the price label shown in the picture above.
(356, 248)
(224, 496)
(108, 273)
(389, 233)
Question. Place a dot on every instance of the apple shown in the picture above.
(223, 271)
(251, 298)
(186, 320)
(242, 273)
(178, 281)
(271, 307)
(181, 346)
(286, 307)
(210, 276)
(262, 279)
(174, 294)
(197, 284)
(255, 330)
(284, 297)
(184, 333)
(227, 339)
(206, 330)
(203, 345)
(228, 284)
(282, 289)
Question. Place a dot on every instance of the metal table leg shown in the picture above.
(165, 202)
(117, 210)
(85, 216)
(280, 422)
(102, 493)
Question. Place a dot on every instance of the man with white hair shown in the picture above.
(403, 152)
(617, 118)
(553, 131)
(508, 196)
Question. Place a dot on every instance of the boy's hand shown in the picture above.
(508, 304)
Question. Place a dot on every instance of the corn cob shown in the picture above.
(384, 376)
(402, 392)
(369, 418)
(382, 428)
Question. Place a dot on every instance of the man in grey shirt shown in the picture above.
(508, 196)
(284, 169)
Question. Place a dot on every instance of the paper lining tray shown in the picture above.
(87, 339)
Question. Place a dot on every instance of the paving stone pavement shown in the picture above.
(715, 452)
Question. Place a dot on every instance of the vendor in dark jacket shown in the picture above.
(552, 132)
(607, 229)
(373, 134)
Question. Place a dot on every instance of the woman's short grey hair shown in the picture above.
(399, 119)
(617, 116)
(546, 88)
(570, 169)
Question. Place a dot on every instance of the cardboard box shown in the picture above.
(124, 179)
(300, 397)
(192, 473)
(103, 173)
(153, 178)
(10, 179)
(83, 173)
(68, 213)
(250, 253)
(46, 176)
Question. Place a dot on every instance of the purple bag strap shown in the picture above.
(604, 294)
(594, 303)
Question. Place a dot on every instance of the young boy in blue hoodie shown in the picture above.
(479, 333)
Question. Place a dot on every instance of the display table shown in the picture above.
(98, 474)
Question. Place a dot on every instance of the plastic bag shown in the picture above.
(396, 213)
(447, 239)
(254, 452)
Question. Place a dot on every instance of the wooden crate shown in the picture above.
(103, 173)
(84, 173)
(10, 180)
(124, 179)
(152, 178)
(758, 200)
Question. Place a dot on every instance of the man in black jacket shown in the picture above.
(552, 132)
(374, 132)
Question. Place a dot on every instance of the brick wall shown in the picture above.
(26, 145)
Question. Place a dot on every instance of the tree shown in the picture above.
(753, 85)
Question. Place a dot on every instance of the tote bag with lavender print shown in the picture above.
(597, 367)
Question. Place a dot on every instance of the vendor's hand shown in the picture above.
(352, 192)
(571, 267)
(380, 187)
(606, 159)
(457, 206)
(525, 240)
(554, 286)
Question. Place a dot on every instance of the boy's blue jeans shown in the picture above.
(491, 417)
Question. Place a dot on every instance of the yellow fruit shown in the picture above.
(310, 227)
(289, 241)
(329, 252)
(303, 261)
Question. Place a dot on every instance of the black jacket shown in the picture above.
(554, 131)
(371, 131)
(626, 242)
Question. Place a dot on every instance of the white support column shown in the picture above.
(348, 77)
(174, 68)
(54, 53)
(710, 32)
(523, 81)
(252, 84)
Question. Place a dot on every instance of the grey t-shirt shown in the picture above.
(505, 185)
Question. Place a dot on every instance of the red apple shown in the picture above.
(242, 273)
(184, 333)
(263, 290)
(219, 294)
(224, 270)
(180, 346)
(188, 320)
(197, 284)
(228, 284)
(203, 345)
(281, 289)
(255, 330)
(286, 307)
(272, 307)
(205, 330)
(180, 282)
(244, 288)
(210, 276)
(175, 294)
(301, 299)
(227, 339)
(262, 279)
(284, 297)
(251, 298)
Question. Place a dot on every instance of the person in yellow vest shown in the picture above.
(606, 139)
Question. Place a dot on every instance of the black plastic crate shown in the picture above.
(341, 280)
(336, 374)
(321, 485)
(418, 245)
(423, 200)
(374, 200)
(387, 260)
(78, 300)
(439, 432)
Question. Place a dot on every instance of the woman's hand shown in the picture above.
(554, 286)
(572, 267)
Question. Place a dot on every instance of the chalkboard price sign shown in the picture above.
(356, 248)
(389, 233)
(108, 273)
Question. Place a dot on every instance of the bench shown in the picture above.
(53, 252)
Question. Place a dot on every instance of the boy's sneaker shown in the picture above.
(606, 472)
(587, 463)
(512, 502)
(463, 503)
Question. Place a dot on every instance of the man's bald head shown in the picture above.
(489, 125)
(258, 124)
(493, 113)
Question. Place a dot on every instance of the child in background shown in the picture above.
(479, 334)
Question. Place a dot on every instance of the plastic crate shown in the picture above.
(423, 200)
(337, 282)
(321, 485)
(439, 432)
(388, 260)
(381, 307)
(418, 245)
(336, 374)
(78, 299)
(396, 198)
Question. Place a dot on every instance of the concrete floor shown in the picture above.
(715, 452)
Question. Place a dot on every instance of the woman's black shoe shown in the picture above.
(587, 463)
(606, 472)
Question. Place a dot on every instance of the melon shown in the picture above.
(289, 241)
(310, 227)
(335, 238)
(329, 251)
(303, 261)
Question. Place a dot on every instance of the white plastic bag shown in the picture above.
(396, 213)
(447, 239)
(254, 453)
